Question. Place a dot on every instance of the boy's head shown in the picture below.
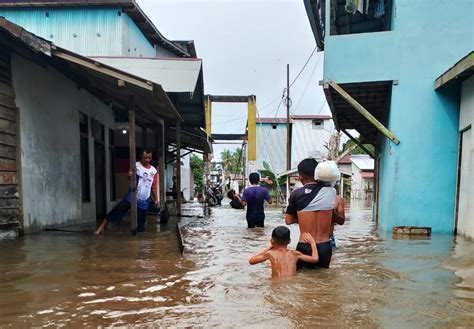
(306, 169)
(230, 194)
(254, 178)
(281, 236)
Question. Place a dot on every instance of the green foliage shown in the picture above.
(197, 165)
(276, 182)
(357, 150)
(233, 161)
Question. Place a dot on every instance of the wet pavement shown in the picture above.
(79, 280)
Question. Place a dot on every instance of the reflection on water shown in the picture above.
(375, 281)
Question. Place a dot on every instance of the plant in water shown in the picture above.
(273, 181)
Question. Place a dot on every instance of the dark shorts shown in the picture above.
(255, 221)
(120, 210)
(324, 252)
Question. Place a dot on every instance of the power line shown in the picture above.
(304, 66)
(308, 83)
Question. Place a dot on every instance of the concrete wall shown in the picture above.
(92, 32)
(465, 224)
(418, 176)
(49, 105)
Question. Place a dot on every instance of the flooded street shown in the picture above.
(59, 279)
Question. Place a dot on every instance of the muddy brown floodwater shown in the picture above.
(79, 280)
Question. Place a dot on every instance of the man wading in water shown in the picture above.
(312, 207)
(254, 197)
(147, 181)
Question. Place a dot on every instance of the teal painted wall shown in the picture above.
(417, 177)
(87, 31)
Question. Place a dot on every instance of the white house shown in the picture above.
(309, 134)
(362, 177)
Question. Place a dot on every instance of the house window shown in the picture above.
(112, 164)
(362, 16)
(84, 144)
(318, 124)
(274, 126)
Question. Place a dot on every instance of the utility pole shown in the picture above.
(288, 132)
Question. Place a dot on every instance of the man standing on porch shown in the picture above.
(147, 179)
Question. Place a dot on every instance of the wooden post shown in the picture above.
(288, 132)
(359, 144)
(178, 168)
(160, 142)
(341, 192)
(355, 104)
(133, 160)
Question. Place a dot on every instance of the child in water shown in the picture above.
(283, 261)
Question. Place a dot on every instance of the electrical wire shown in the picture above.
(304, 66)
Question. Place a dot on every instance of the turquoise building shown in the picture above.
(386, 55)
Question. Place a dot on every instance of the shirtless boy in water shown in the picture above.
(284, 261)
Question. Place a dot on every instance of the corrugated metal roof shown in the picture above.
(174, 75)
(311, 117)
(271, 120)
(367, 174)
(363, 161)
(129, 6)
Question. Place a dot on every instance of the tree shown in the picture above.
(358, 150)
(332, 145)
(197, 165)
(233, 162)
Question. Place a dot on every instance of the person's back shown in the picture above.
(314, 204)
(283, 261)
(311, 206)
(253, 198)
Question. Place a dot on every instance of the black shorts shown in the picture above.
(255, 221)
(120, 210)
(324, 252)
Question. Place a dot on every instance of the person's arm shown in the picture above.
(154, 191)
(243, 200)
(268, 198)
(291, 216)
(338, 213)
(314, 258)
(260, 257)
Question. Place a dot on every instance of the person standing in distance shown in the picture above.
(254, 198)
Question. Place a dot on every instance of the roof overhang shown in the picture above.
(195, 140)
(174, 75)
(113, 87)
(315, 12)
(460, 71)
(130, 7)
(374, 96)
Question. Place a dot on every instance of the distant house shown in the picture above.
(362, 186)
(309, 134)
(345, 167)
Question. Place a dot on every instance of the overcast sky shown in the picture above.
(245, 46)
